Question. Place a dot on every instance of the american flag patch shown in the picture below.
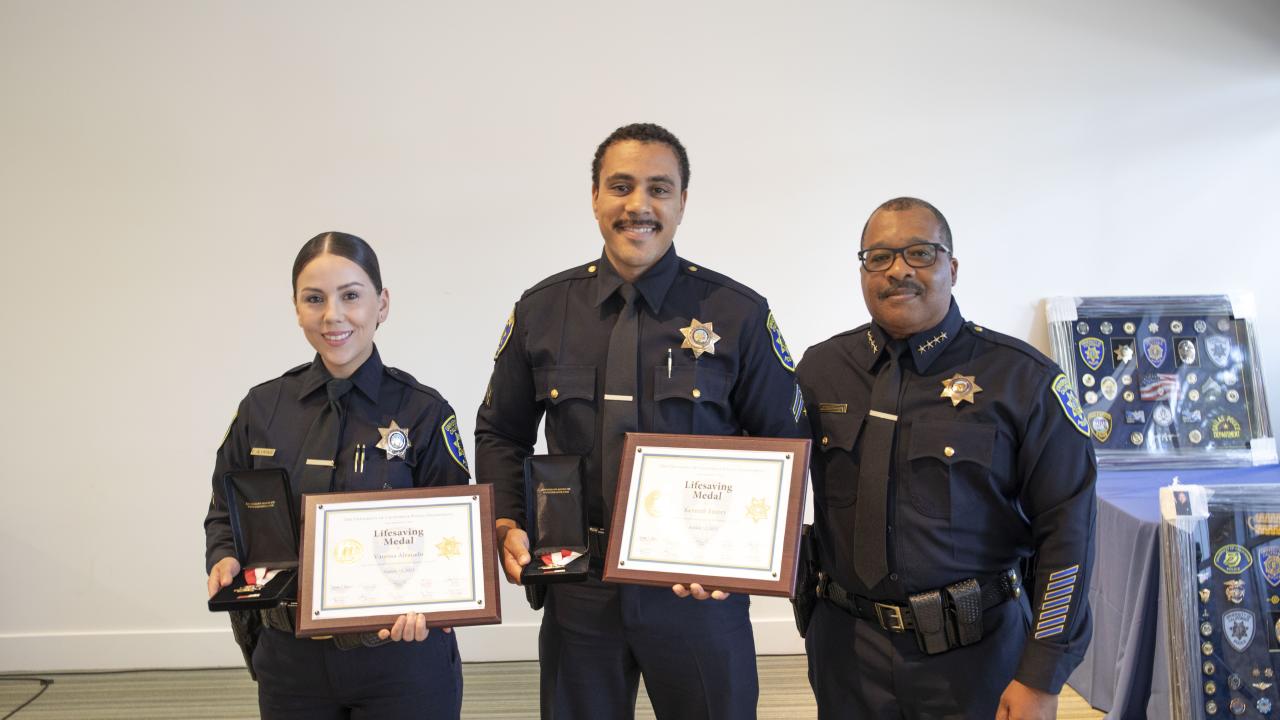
(1056, 603)
(1158, 387)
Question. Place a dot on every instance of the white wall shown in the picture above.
(161, 162)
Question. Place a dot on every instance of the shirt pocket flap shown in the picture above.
(696, 384)
(840, 430)
(952, 442)
(557, 383)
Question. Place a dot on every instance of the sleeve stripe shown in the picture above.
(1064, 592)
(1064, 573)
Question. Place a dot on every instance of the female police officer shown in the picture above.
(344, 398)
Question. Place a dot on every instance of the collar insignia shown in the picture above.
(872, 340)
(960, 388)
(937, 340)
(700, 338)
(395, 440)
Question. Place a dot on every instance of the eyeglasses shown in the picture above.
(919, 255)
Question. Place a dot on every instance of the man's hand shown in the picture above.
(410, 627)
(514, 544)
(1023, 702)
(222, 574)
(698, 592)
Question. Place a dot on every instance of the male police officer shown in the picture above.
(945, 454)
(601, 349)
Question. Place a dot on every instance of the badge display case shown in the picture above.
(1166, 381)
(1220, 558)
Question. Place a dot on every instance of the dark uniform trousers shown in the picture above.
(859, 670)
(314, 680)
(301, 678)
(990, 464)
(697, 657)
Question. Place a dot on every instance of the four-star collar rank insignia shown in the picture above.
(699, 337)
(395, 440)
(960, 388)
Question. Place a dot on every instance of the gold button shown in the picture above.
(554, 393)
(825, 440)
(948, 451)
(697, 393)
(693, 268)
(591, 268)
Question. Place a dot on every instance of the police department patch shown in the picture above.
(506, 334)
(1066, 394)
(780, 345)
(453, 441)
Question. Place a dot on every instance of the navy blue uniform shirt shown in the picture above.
(273, 420)
(553, 355)
(974, 487)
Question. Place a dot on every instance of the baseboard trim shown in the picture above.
(139, 649)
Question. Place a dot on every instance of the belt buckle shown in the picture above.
(890, 617)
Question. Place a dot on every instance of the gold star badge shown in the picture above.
(449, 548)
(395, 440)
(758, 509)
(960, 388)
(700, 338)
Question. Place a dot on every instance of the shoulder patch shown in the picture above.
(1066, 394)
(453, 441)
(780, 345)
(506, 334)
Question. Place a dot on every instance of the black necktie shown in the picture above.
(620, 387)
(870, 556)
(320, 450)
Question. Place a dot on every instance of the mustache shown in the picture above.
(903, 284)
(624, 224)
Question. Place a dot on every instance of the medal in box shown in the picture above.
(556, 516)
(264, 527)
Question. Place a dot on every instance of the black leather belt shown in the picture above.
(899, 618)
(280, 618)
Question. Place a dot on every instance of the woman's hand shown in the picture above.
(222, 574)
(410, 627)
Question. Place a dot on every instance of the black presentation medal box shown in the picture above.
(556, 518)
(264, 527)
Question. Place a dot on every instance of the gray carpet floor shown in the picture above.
(493, 690)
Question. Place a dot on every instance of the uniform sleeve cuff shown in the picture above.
(1045, 668)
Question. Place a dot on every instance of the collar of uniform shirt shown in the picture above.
(367, 378)
(653, 285)
(924, 346)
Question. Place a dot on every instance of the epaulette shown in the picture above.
(697, 271)
(856, 331)
(1008, 341)
(580, 272)
(412, 382)
(285, 374)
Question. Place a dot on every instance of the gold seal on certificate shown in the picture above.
(721, 511)
(369, 557)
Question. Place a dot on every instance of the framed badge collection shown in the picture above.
(1165, 381)
(1221, 560)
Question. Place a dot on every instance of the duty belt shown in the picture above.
(952, 616)
(280, 618)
